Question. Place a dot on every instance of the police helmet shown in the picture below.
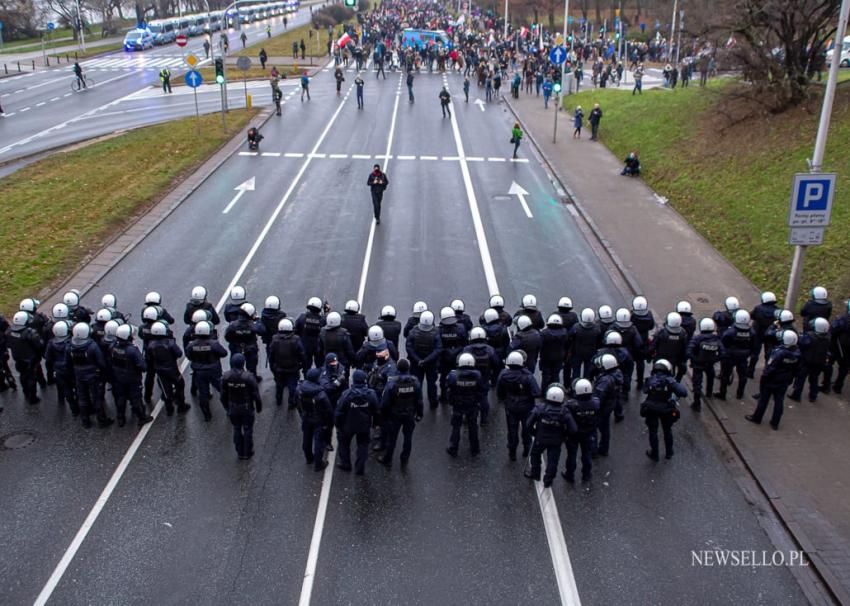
(624, 317)
(742, 318)
(609, 362)
(103, 315)
(200, 315)
(683, 307)
(477, 334)
(606, 313)
(554, 320)
(490, 315)
(426, 319)
(786, 315)
(419, 307)
(446, 313)
(497, 301)
(110, 329)
(150, 313)
(272, 302)
(465, 360)
(203, 328)
(640, 305)
(819, 294)
(821, 326)
(612, 337)
(71, 299)
(352, 306)
(314, 303)
(60, 330)
(732, 304)
(60, 311)
(556, 394)
(159, 329)
(388, 311)
(515, 359)
(333, 320)
(457, 305)
(81, 330)
(285, 325)
(565, 303)
(29, 305)
(674, 320)
(789, 338)
(582, 387)
(588, 316)
(707, 325)
(124, 332)
(21, 318)
(109, 300)
(768, 297)
(248, 309)
(523, 322)
(153, 298)
(376, 334)
(663, 366)
(237, 293)
(199, 294)
(529, 302)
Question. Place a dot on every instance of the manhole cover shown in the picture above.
(18, 439)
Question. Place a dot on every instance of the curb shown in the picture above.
(91, 271)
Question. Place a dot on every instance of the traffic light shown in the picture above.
(350, 3)
(557, 88)
(219, 71)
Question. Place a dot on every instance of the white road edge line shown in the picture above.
(548, 509)
(78, 539)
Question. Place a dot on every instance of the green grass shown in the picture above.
(62, 36)
(236, 75)
(281, 45)
(91, 51)
(733, 183)
(60, 209)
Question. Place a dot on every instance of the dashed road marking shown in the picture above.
(361, 156)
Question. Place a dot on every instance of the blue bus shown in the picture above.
(420, 38)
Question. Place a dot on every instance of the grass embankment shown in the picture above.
(59, 210)
(235, 75)
(281, 45)
(63, 36)
(91, 51)
(733, 183)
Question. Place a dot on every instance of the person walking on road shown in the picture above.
(207, 49)
(410, 85)
(165, 76)
(263, 58)
(661, 391)
(78, 72)
(240, 397)
(578, 120)
(244, 38)
(277, 95)
(305, 85)
(516, 136)
(445, 99)
(340, 78)
(377, 183)
(595, 117)
(269, 30)
(466, 89)
(358, 83)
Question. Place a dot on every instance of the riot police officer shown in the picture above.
(464, 387)
(353, 419)
(355, 323)
(528, 339)
(162, 354)
(233, 306)
(86, 358)
(389, 324)
(458, 306)
(154, 299)
(423, 349)
(553, 349)
(205, 354)
(762, 317)
(308, 326)
(198, 300)
(814, 360)
(402, 408)
(841, 348)
(584, 408)
(287, 358)
(632, 343)
(529, 309)
(659, 407)
(517, 389)
(819, 306)
(56, 358)
(270, 317)
(569, 318)
(605, 318)
(127, 366)
(607, 387)
(497, 333)
(778, 374)
(453, 338)
(724, 318)
(419, 308)
(550, 422)
(487, 363)
(76, 311)
(335, 339)
(316, 418)
(584, 341)
(26, 348)
(241, 336)
(497, 303)
(704, 351)
(739, 345)
(240, 398)
(645, 323)
(689, 324)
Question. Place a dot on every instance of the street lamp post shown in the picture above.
(506, 19)
(672, 31)
(80, 23)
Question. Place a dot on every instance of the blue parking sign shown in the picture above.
(811, 199)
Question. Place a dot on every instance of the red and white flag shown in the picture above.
(523, 31)
(343, 41)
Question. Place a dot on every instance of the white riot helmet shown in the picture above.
(352, 306)
(786, 315)
(768, 297)
(333, 320)
(109, 300)
(588, 316)
(426, 319)
(314, 303)
(609, 362)
(153, 298)
(419, 307)
(556, 394)
(81, 330)
(60, 311)
(110, 329)
(103, 315)
(683, 307)
(742, 318)
(159, 329)
(789, 338)
(732, 304)
(674, 321)
(28, 305)
(445, 314)
(285, 325)
(606, 314)
(71, 299)
(21, 318)
(523, 322)
(529, 302)
(237, 294)
(819, 294)
(466, 360)
(124, 332)
(612, 337)
(640, 305)
(565, 303)
(199, 294)
(272, 302)
(376, 334)
(150, 313)
(457, 305)
(477, 334)
(515, 359)
(554, 320)
(624, 317)
(490, 315)
(249, 309)
(663, 365)
(203, 328)
(200, 315)
(60, 330)
(821, 326)
(497, 301)
(388, 311)
(583, 387)
(707, 325)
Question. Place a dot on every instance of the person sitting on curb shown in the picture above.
(632, 166)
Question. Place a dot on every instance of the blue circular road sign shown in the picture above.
(558, 55)
(193, 78)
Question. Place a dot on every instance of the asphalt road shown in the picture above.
(189, 523)
(43, 113)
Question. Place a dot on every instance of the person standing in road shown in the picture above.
(240, 397)
(402, 407)
(466, 89)
(551, 422)
(277, 95)
(263, 58)
(205, 353)
(661, 391)
(353, 418)
(464, 394)
(595, 117)
(585, 410)
(165, 76)
(340, 78)
(78, 72)
(377, 183)
(305, 85)
(358, 83)
(244, 38)
(638, 75)
(445, 99)
(517, 388)
(410, 85)
(207, 49)
(516, 137)
(269, 29)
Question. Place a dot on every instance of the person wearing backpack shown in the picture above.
(353, 419)
(704, 351)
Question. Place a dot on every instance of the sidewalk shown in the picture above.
(802, 468)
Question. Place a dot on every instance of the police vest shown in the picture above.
(817, 351)
(79, 356)
(527, 342)
(202, 352)
(333, 340)
(119, 358)
(312, 324)
(643, 324)
(21, 344)
(243, 335)
(162, 356)
(354, 323)
(450, 337)
(308, 405)
(708, 352)
(586, 338)
(482, 359)
(239, 393)
(659, 393)
(585, 414)
(742, 341)
(550, 425)
(466, 389)
(424, 342)
(284, 349)
(671, 348)
(404, 400)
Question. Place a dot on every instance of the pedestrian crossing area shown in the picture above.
(137, 62)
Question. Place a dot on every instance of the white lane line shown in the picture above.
(521, 160)
(293, 155)
(41, 103)
(244, 153)
(360, 156)
(474, 159)
(451, 158)
(26, 109)
(428, 157)
(572, 210)
(383, 157)
(9, 114)
(337, 156)
(548, 509)
(406, 157)
(271, 154)
(67, 95)
(69, 554)
(495, 159)
(55, 99)
(315, 155)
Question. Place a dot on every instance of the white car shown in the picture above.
(844, 58)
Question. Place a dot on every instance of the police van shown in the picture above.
(421, 38)
(844, 58)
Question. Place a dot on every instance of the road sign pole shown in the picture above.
(80, 22)
(793, 291)
(555, 130)
(197, 113)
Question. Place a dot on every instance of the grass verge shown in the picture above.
(235, 76)
(91, 51)
(732, 183)
(59, 210)
(281, 45)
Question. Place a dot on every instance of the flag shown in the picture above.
(343, 41)
(523, 31)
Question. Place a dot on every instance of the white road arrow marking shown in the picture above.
(241, 188)
(480, 104)
(516, 189)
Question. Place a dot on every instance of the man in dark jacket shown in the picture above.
(377, 183)
(528, 339)
(287, 359)
(517, 389)
(353, 419)
(584, 409)
(127, 364)
(739, 345)
(671, 343)
(205, 353)
(553, 349)
(464, 387)
(704, 351)
(814, 360)
(487, 363)
(316, 418)
(240, 398)
(86, 358)
(26, 348)
(551, 422)
(594, 119)
(402, 408)
(607, 387)
(662, 391)
(389, 324)
(453, 338)
(423, 349)
(161, 355)
(585, 338)
(778, 374)
(198, 301)
(56, 357)
(763, 316)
